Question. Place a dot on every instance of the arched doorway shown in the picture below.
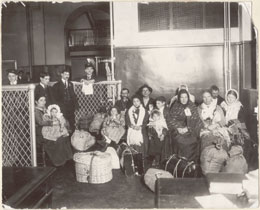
(87, 35)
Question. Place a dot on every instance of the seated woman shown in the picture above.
(185, 125)
(213, 120)
(232, 107)
(59, 151)
(59, 124)
(113, 127)
(234, 117)
(181, 87)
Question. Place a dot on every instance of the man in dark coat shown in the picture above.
(145, 92)
(215, 94)
(124, 103)
(65, 97)
(44, 89)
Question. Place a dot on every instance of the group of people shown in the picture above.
(158, 129)
(17, 77)
(155, 128)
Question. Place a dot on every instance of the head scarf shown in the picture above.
(183, 91)
(232, 109)
(54, 106)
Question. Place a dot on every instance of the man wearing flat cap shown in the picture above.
(12, 77)
(89, 77)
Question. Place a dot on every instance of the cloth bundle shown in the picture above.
(114, 157)
(212, 159)
(218, 136)
(236, 162)
(238, 132)
(97, 122)
(152, 175)
(114, 133)
(82, 140)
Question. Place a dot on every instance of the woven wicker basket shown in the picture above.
(93, 167)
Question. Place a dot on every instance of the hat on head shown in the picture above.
(89, 65)
(146, 86)
(12, 71)
(38, 96)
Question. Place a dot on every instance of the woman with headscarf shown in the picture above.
(185, 125)
(234, 118)
(232, 107)
(181, 87)
(59, 150)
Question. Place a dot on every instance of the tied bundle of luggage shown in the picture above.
(222, 150)
(96, 142)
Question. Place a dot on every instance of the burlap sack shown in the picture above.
(236, 162)
(95, 125)
(82, 140)
(212, 159)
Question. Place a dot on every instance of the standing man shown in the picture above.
(12, 77)
(124, 103)
(65, 97)
(43, 88)
(21, 79)
(217, 99)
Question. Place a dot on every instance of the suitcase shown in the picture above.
(130, 160)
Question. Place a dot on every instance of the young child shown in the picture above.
(113, 126)
(58, 127)
(157, 130)
(150, 108)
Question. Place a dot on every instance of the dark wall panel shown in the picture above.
(164, 69)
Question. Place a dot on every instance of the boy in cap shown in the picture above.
(12, 77)
(90, 74)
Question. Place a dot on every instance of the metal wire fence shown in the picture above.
(18, 119)
(104, 95)
(18, 126)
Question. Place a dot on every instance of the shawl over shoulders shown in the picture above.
(178, 119)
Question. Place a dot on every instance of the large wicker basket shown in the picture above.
(93, 167)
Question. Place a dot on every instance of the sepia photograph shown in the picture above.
(129, 104)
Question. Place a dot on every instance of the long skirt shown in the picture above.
(187, 146)
(143, 148)
(59, 151)
(167, 148)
